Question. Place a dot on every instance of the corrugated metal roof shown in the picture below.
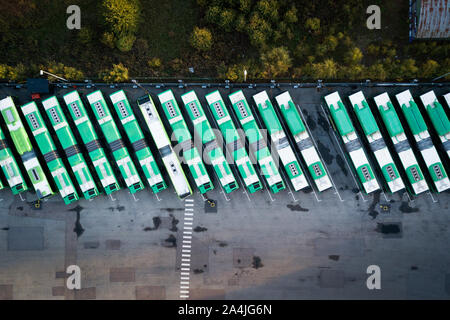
(434, 19)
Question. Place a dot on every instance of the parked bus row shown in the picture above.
(358, 127)
(361, 132)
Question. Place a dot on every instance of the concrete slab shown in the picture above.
(122, 275)
(243, 257)
(150, 293)
(112, 244)
(6, 292)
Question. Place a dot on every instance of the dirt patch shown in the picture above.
(257, 262)
(156, 224)
(296, 207)
(405, 208)
(171, 241)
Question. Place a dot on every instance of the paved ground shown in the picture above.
(283, 246)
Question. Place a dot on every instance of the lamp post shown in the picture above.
(42, 72)
(245, 75)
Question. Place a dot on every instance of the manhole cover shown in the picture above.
(210, 206)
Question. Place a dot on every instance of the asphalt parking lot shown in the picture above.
(287, 245)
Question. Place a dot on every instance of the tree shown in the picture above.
(352, 72)
(259, 30)
(330, 43)
(327, 69)
(108, 39)
(66, 72)
(125, 42)
(276, 62)
(4, 71)
(291, 15)
(268, 9)
(213, 14)
(312, 24)
(245, 5)
(376, 72)
(429, 69)
(122, 17)
(201, 39)
(354, 56)
(226, 19)
(118, 73)
(408, 69)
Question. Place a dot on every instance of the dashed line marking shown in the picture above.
(185, 256)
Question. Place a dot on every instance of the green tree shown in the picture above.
(268, 9)
(376, 72)
(330, 43)
(291, 15)
(108, 39)
(59, 69)
(327, 69)
(122, 16)
(312, 24)
(276, 62)
(85, 35)
(227, 19)
(125, 42)
(408, 69)
(201, 39)
(245, 5)
(118, 73)
(4, 71)
(352, 72)
(213, 14)
(429, 69)
(354, 56)
(259, 30)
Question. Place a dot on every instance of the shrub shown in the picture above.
(201, 39)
